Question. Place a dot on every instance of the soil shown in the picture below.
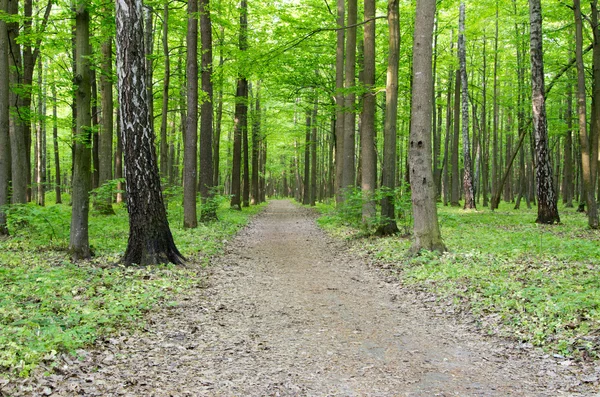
(289, 311)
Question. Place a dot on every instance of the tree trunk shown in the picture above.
(349, 174)
(467, 163)
(388, 213)
(17, 133)
(568, 149)
(79, 246)
(426, 228)
(455, 186)
(447, 142)
(119, 163)
(595, 120)
(164, 145)
(95, 138)
(150, 239)
(256, 143)
(313, 154)
(584, 139)
(4, 119)
(190, 153)
(208, 211)
(495, 171)
(547, 208)
(241, 114)
(339, 101)
(57, 180)
(306, 179)
(106, 131)
(367, 138)
(219, 115)
(246, 161)
(39, 141)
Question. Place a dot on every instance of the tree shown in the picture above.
(150, 238)
(164, 145)
(339, 100)
(367, 138)
(426, 228)
(208, 212)
(190, 149)
(79, 245)
(547, 208)
(467, 164)
(388, 213)
(348, 174)
(106, 131)
(4, 119)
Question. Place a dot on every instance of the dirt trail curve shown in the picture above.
(289, 312)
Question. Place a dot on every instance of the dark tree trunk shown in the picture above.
(339, 101)
(119, 163)
(306, 179)
(106, 132)
(256, 142)
(208, 212)
(190, 154)
(79, 246)
(246, 161)
(150, 239)
(388, 214)
(313, 154)
(367, 137)
(39, 140)
(57, 180)
(349, 172)
(4, 119)
(219, 115)
(95, 137)
(495, 170)
(547, 208)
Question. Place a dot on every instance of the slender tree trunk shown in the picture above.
(349, 173)
(150, 239)
(219, 115)
(4, 119)
(306, 179)
(595, 120)
(568, 148)
(57, 181)
(79, 246)
(455, 186)
(256, 143)
(164, 145)
(119, 163)
(313, 154)
(367, 138)
(484, 130)
(469, 192)
(241, 114)
(339, 101)
(209, 212)
(106, 130)
(95, 138)
(584, 138)
(495, 171)
(547, 209)
(447, 142)
(190, 154)
(426, 228)
(388, 213)
(40, 132)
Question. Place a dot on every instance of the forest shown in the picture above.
(455, 143)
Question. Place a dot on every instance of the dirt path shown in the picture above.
(289, 312)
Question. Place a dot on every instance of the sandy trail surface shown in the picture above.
(289, 311)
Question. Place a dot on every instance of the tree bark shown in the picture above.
(219, 115)
(568, 149)
(256, 143)
(208, 211)
(4, 119)
(190, 154)
(595, 120)
(39, 141)
(306, 179)
(426, 228)
(106, 130)
(455, 174)
(349, 174)
(57, 180)
(241, 114)
(388, 213)
(150, 239)
(339, 101)
(468, 189)
(367, 141)
(495, 171)
(313, 153)
(547, 208)
(79, 246)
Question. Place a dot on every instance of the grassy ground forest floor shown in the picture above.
(49, 305)
(537, 283)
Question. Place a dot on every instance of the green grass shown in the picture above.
(49, 305)
(537, 283)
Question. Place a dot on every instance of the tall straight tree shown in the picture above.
(190, 149)
(79, 245)
(584, 138)
(547, 207)
(595, 124)
(388, 214)
(426, 227)
(4, 119)
(339, 100)
(348, 174)
(208, 212)
(164, 145)
(150, 239)
(467, 163)
(256, 143)
(241, 114)
(367, 139)
(106, 130)
(313, 152)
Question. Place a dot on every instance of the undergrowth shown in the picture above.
(49, 305)
(539, 284)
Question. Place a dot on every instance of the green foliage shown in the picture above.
(107, 190)
(49, 305)
(539, 284)
(348, 214)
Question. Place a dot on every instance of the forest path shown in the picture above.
(289, 311)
